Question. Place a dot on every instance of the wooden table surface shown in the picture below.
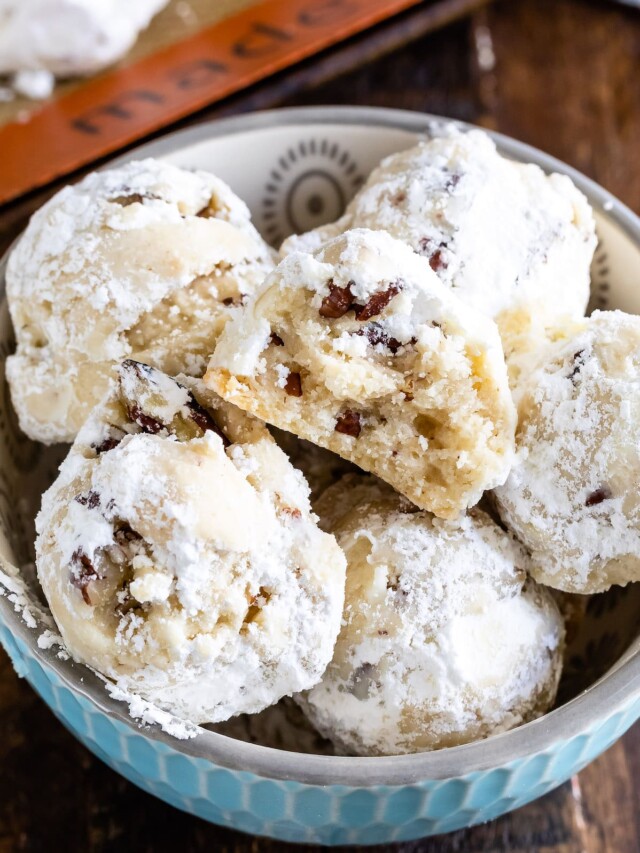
(560, 74)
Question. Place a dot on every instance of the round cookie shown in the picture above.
(572, 498)
(144, 555)
(500, 234)
(444, 640)
(145, 260)
(359, 348)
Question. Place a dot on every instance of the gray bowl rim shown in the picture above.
(611, 694)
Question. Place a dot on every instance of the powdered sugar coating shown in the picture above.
(381, 364)
(572, 498)
(143, 260)
(180, 558)
(444, 640)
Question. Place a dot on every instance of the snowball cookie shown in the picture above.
(360, 348)
(145, 260)
(69, 37)
(179, 555)
(499, 233)
(444, 640)
(573, 499)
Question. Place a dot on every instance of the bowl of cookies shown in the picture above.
(318, 471)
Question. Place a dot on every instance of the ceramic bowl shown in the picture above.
(296, 169)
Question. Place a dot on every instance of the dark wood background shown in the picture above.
(563, 75)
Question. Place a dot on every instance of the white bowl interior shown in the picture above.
(295, 176)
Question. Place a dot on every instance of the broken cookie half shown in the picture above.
(180, 557)
(360, 349)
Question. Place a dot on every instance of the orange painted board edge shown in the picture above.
(124, 105)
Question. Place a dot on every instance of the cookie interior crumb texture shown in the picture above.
(572, 497)
(179, 555)
(146, 261)
(360, 349)
(444, 638)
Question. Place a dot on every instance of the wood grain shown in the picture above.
(563, 76)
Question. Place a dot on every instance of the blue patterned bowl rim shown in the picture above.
(615, 691)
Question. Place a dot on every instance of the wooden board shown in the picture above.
(126, 104)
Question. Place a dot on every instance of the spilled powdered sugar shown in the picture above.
(149, 714)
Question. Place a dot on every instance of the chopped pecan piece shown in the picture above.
(293, 511)
(434, 253)
(437, 261)
(82, 573)
(338, 302)
(293, 385)
(126, 200)
(598, 496)
(110, 441)
(378, 302)
(91, 500)
(201, 417)
(144, 393)
(147, 423)
(375, 334)
(578, 364)
(125, 534)
(106, 445)
(348, 423)
(206, 213)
